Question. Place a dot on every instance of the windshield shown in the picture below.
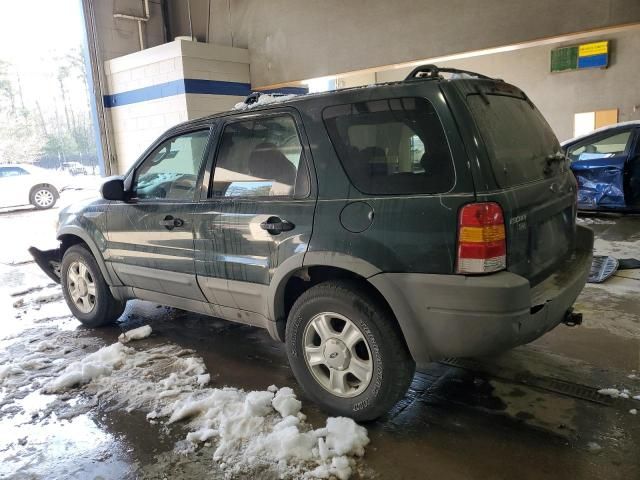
(519, 141)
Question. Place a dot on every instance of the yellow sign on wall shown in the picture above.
(596, 48)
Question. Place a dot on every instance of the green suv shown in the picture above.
(371, 229)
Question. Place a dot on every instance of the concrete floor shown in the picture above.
(530, 413)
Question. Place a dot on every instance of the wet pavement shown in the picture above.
(533, 412)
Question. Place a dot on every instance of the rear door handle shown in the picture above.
(170, 223)
(275, 225)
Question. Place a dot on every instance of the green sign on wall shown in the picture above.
(565, 58)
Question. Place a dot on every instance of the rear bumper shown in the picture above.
(461, 316)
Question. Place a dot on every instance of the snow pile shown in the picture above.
(267, 429)
(135, 334)
(264, 99)
(255, 433)
(93, 366)
(616, 393)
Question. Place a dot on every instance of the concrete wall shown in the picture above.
(118, 36)
(137, 122)
(560, 95)
(301, 39)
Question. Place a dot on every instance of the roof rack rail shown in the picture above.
(433, 71)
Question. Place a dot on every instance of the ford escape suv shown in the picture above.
(371, 229)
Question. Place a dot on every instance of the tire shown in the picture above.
(44, 197)
(95, 310)
(381, 348)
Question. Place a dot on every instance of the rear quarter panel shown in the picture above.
(412, 233)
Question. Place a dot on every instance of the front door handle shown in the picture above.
(275, 225)
(170, 223)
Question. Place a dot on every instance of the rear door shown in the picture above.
(150, 237)
(599, 163)
(257, 212)
(632, 173)
(521, 167)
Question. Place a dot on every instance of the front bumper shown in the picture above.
(461, 316)
(49, 261)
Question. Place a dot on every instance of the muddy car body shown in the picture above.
(371, 229)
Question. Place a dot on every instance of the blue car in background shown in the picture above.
(606, 164)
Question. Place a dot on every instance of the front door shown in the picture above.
(599, 164)
(150, 237)
(257, 212)
(15, 184)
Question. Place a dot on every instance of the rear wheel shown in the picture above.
(346, 351)
(85, 290)
(44, 197)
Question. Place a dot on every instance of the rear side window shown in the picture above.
(392, 146)
(518, 138)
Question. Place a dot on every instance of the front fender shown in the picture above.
(79, 232)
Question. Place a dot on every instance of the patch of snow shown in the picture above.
(285, 402)
(633, 411)
(616, 393)
(609, 392)
(255, 433)
(594, 447)
(135, 334)
(91, 367)
(45, 345)
(263, 100)
(39, 297)
(9, 370)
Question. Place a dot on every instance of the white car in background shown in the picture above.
(22, 184)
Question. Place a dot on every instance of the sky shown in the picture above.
(32, 34)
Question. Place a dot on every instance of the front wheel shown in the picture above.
(85, 290)
(44, 197)
(346, 351)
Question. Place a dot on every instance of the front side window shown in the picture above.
(610, 146)
(171, 171)
(393, 146)
(260, 158)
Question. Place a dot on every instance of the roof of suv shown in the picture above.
(254, 103)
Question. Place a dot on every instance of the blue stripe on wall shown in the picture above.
(189, 85)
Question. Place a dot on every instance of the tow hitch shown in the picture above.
(572, 319)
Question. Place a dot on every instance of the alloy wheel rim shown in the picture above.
(43, 198)
(81, 286)
(337, 354)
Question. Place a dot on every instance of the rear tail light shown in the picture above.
(482, 246)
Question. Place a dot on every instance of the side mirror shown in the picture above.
(113, 189)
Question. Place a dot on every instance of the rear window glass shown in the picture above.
(392, 146)
(518, 138)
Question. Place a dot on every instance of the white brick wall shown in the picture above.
(135, 126)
